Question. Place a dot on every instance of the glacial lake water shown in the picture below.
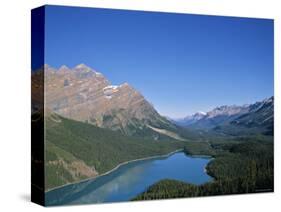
(131, 179)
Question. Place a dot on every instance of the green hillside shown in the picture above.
(76, 150)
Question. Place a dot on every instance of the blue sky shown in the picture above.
(180, 63)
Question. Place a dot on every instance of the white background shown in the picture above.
(15, 104)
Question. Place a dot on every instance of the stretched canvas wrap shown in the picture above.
(133, 105)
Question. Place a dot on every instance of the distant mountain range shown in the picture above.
(234, 119)
(191, 119)
(85, 95)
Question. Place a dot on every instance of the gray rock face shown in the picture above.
(252, 118)
(84, 94)
(259, 116)
(191, 119)
(214, 117)
(73, 93)
(227, 111)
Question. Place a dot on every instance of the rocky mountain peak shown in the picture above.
(46, 66)
(226, 111)
(269, 100)
(196, 116)
(63, 70)
(85, 95)
(82, 66)
(64, 67)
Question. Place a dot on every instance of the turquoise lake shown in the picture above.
(131, 179)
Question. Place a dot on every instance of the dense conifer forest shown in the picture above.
(245, 167)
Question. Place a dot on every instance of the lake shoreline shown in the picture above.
(118, 166)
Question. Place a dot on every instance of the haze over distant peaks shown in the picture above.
(258, 115)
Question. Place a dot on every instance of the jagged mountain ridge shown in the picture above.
(254, 117)
(83, 94)
(259, 116)
(190, 119)
(220, 115)
(214, 117)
